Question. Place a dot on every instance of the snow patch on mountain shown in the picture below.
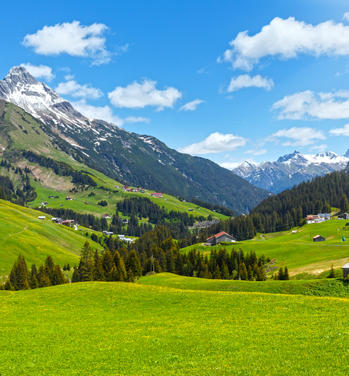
(290, 169)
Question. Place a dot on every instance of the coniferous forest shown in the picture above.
(289, 208)
(155, 251)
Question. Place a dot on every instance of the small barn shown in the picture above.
(318, 238)
(345, 269)
(220, 238)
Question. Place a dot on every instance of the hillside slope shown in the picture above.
(23, 138)
(295, 247)
(21, 232)
(130, 329)
(316, 287)
(133, 159)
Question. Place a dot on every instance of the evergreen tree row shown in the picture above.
(110, 266)
(48, 274)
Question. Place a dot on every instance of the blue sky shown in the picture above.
(184, 71)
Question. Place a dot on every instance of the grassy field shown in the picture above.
(129, 329)
(317, 287)
(297, 250)
(22, 232)
(83, 202)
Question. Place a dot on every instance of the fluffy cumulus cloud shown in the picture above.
(39, 71)
(346, 16)
(215, 143)
(297, 136)
(288, 38)
(307, 104)
(191, 106)
(77, 90)
(245, 81)
(71, 38)
(230, 165)
(140, 95)
(105, 113)
(344, 131)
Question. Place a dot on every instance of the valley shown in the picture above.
(174, 188)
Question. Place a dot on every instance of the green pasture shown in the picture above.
(315, 287)
(106, 328)
(297, 250)
(21, 232)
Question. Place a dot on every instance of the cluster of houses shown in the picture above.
(126, 188)
(318, 218)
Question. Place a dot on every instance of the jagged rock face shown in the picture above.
(291, 169)
(21, 88)
(128, 157)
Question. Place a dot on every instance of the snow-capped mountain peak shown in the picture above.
(291, 169)
(21, 88)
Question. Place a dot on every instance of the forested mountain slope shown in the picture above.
(288, 209)
(133, 159)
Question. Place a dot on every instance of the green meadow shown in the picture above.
(131, 329)
(297, 250)
(315, 287)
(21, 232)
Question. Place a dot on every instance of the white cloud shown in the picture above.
(215, 143)
(346, 16)
(105, 113)
(230, 165)
(297, 136)
(287, 38)
(245, 81)
(191, 106)
(340, 131)
(76, 90)
(39, 71)
(71, 38)
(307, 104)
(140, 95)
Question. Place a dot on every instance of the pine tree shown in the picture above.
(43, 277)
(134, 264)
(225, 272)
(243, 272)
(121, 274)
(57, 276)
(33, 279)
(19, 276)
(286, 276)
(108, 264)
(98, 272)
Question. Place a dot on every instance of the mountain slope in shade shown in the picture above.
(290, 169)
(128, 157)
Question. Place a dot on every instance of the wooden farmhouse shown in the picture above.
(318, 238)
(221, 237)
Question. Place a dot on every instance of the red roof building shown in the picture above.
(220, 237)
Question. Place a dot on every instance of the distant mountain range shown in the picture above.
(290, 169)
(137, 160)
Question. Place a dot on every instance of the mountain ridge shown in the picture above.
(290, 169)
(137, 160)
